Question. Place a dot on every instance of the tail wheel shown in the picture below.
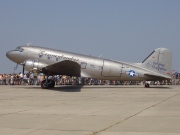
(146, 85)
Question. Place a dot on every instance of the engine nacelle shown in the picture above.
(33, 65)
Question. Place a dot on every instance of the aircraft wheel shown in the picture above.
(44, 85)
(52, 84)
(146, 85)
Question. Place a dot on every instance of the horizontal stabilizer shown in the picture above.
(151, 77)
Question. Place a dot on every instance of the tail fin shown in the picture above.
(159, 61)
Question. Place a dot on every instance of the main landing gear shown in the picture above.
(48, 83)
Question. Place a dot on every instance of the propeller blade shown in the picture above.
(23, 69)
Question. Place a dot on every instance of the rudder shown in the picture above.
(159, 61)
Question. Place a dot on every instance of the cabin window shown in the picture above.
(19, 49)
(40, 55)
(92, 66)
(100, 67)
(83, 65)
(57, 59)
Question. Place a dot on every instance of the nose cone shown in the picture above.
(15, 56)
(10, 55)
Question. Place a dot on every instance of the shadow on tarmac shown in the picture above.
(56, 88)
(77, 88)
(67, 88)
(127, 87)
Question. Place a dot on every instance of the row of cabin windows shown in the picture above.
(83, 66)
(57, 59)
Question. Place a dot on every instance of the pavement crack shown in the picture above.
(94, 133)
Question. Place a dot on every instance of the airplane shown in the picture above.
(50, 62)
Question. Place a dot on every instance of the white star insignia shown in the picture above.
(131, 73)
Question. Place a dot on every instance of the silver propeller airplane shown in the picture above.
(157, 66)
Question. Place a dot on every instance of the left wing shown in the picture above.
(65, 67)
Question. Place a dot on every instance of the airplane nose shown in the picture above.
(8, 54)
(16, 56)
(11, 55)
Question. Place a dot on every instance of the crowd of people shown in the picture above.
(175, 78)
(18, 79)
(32, 79)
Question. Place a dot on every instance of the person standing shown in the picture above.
(31, 77)
(35, 79)
(4, 79)
(21, 78)
(1, 79)
(24, 79)
(12, 80)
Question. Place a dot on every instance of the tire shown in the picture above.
(52, 84)
(43, 85)
(147, 85)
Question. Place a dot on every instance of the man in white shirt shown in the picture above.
(21, 78)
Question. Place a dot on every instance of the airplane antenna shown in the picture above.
(28, 44)
(100, 55)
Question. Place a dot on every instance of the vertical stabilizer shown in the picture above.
(159, 61)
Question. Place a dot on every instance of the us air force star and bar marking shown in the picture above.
(131, 73)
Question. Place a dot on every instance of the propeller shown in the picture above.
(23, 69)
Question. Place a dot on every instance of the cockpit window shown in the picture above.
(19, 49)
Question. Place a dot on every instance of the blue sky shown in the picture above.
(125, 30)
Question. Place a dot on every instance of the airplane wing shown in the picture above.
(65, 67)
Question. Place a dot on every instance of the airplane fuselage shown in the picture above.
(91, 67)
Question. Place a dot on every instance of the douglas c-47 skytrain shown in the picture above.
(157, 66)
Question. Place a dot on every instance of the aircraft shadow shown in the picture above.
(56, 88)
(67, 88)
(160, 87)
(77, 88)
(127, 87)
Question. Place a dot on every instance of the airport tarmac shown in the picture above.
(90, 110)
